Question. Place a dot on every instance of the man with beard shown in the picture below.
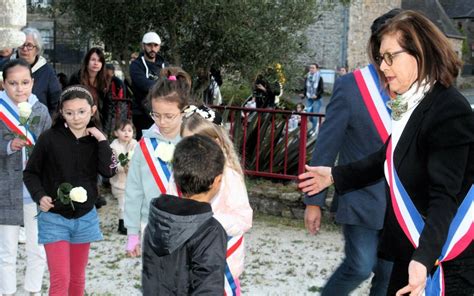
(144, 71)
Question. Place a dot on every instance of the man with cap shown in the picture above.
(144, 71)
(350, 133)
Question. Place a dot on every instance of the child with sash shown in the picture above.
(17, 208)
(184, 247)
(150, 171)
(231, 205)
(61, 176)
(123, 147)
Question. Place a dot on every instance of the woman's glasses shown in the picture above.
(28, 46)
(388, 57)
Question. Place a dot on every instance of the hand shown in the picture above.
(315, 179)
(93, 131)
(133, 245)
(136, 252)
(417, 274)
(312, 219)
(17, 144)
(261, 87)
(46, 203)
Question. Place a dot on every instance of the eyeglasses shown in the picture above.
(388, 57)
(28, 46)
(80, 114)
(165, 117)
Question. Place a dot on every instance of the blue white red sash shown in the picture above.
(231, 283)
(159, 169)
(10, 117)
(461, 230)
(375, 99)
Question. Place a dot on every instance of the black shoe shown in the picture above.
(121, 228)
(100, 202)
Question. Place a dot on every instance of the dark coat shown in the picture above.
(184, 249)
(434, 159)
(59, 157)
(348, 132)
(46, 86)
(141, 83)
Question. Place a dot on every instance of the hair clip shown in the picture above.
(203, 111)
(172, 78)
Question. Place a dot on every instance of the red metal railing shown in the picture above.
(237, 118)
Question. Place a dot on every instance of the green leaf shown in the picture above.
(35, 120)
(63, 193)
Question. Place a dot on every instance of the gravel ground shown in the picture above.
(282, 259)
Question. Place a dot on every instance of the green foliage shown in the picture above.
(63, 194)
(244, 36)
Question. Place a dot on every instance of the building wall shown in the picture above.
(326, 37)
(340, 33)
(362, 14)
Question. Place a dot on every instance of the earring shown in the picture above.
(65, 125)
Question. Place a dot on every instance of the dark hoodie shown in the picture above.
(59, 157)
(184, 249)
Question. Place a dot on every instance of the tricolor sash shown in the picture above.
(11, 118)
(375, 99)
(231, 283)
(461, 229)
(159, 169)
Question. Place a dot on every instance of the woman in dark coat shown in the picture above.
(430, 156)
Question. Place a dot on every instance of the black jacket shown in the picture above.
(184, 249)
(434, 159)
(59, 157)
(143, 80)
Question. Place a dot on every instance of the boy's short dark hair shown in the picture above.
(197, 161)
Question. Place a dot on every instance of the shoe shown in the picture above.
(100, 202)
(121, 228)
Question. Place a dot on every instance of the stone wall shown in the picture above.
(326, 38)
(340, 33)
(361, 15)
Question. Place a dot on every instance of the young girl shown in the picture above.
(231, 205)
(149, 172)
(123, 144)
(17, 208)
(73, 151)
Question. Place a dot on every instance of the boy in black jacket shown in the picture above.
(184, 247)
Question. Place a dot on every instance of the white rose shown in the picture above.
(130, 154)
(78, 194)
(165, 151)
(25, 109)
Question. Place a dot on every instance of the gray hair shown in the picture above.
(36, 37)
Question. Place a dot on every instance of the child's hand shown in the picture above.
(133, 245)
(93, 131)
(46, 203)
(16, 144)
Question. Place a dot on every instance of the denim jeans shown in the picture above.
(360, 261)
(314, 106)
